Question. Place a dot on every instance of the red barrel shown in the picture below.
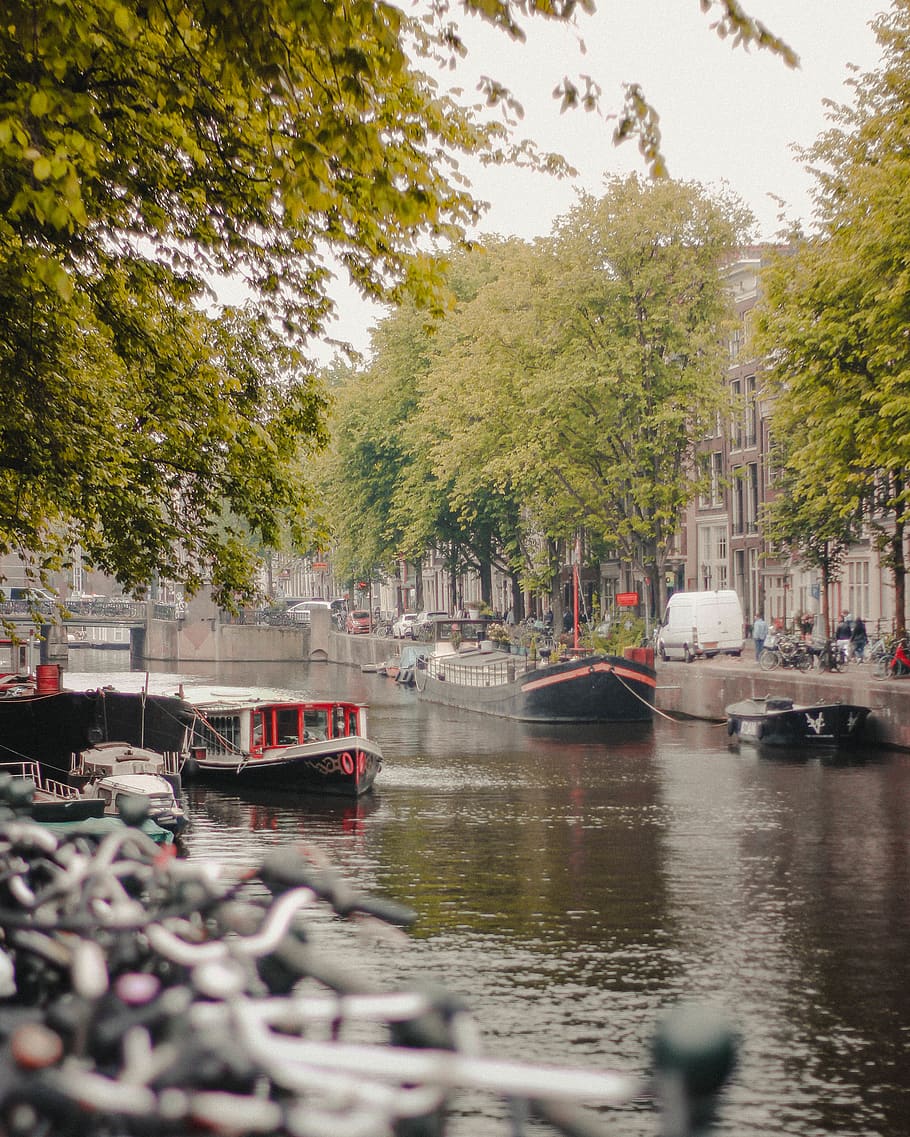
(47, 676)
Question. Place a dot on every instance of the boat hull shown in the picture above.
(49, 728)
(344, 766)
(599, 688)
(780, 722)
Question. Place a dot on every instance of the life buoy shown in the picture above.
(361, 763)
(347, 762)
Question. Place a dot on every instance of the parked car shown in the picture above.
(403, 627)
(358, 622)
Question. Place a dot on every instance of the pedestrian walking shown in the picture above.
(858, 639)
(759, 634)
(843, 635)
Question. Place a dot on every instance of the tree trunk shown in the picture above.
(898, 560)
(556, 601)
(418, 585)
(826, 594)
(486, 582)
(518, 600)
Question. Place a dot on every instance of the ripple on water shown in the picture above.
(571, 886)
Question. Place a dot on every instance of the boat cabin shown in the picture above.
(109, 759)
(250, 728)
(445, 633)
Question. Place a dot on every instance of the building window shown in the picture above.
(712, 557)
(737, 501)
(714, 493)
(752, 499)
(858, 588)
(750, 422)
(736, 342)
(721, 573)
(736, 390)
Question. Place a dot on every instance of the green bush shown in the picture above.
(626, 631)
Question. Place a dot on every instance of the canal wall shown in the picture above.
(704, 688)
(696, 690)
(210, 641)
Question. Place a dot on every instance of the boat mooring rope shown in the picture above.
(632, 691)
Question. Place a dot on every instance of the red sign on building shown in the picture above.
(627, 599)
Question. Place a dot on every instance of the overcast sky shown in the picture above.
(727, 115)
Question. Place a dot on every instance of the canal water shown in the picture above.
(572, 884)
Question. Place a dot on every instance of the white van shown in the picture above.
(701, 623)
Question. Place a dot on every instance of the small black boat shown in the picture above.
(773, 720)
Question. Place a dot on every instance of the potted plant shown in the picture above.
(499, 634)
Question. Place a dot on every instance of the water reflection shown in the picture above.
(571, 883)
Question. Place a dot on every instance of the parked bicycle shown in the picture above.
(830, 656)
(144, 994)
(895, 663)
(785, 651)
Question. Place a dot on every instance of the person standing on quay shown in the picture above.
(759, 634)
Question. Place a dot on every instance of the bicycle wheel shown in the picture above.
(804, 661)
(883, 667)
(769, 659)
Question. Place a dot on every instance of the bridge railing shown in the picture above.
(78, 610)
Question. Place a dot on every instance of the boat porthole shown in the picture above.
(347, 763)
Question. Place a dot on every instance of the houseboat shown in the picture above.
(463, 668)
(308, 746)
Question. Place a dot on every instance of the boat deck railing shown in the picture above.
(492, 674)
(28, 769)
(171, 764)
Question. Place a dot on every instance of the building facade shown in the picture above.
(722, 544)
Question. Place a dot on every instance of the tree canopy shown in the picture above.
(149, 146)
(567, 388)
(834, 320)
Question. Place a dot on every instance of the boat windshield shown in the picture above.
(316, 724)
(285, 725)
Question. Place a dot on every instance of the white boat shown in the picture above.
(63, 807)
(112, 771)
